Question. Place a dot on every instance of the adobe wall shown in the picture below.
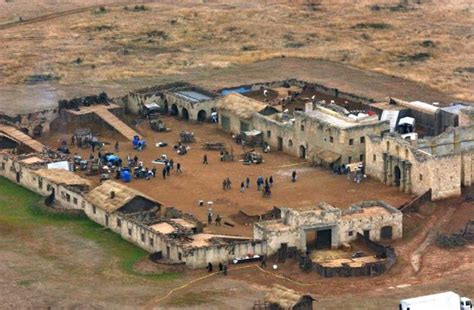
(200, 257)
(286, 131)
(234, 122)
(466, 117)
(312, 133)
(66, 197)
(443, 174)
(34, 124)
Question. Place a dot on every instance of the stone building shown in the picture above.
(442, 164)
(175, 237)
(141, 221)
(181, 99)
(236, 112)
(31, 171)
(32, 123)
(327, 135)
(325, 226)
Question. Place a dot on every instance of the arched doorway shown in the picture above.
(174, 110)
(386, 233)
(302, 152)
(202, 116)
(397, 175)
(185, 114)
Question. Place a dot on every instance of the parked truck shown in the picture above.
(441, 301)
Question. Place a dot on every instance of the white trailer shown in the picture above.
(441, 301)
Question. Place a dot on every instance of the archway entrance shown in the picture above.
(185, 114)
(202, 116)
(397, 176)
(174, 110)
(302, 152)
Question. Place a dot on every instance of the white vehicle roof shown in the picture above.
(441, 301)
(406, 120)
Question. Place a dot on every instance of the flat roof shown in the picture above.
(192, 95)
(163, 228)
(368, 211)
(33, 160)
(184, 223)
(337, 121)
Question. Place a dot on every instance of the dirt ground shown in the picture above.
(204, 182)
(419, 41)
(418, 51)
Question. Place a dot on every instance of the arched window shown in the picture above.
(290, 143)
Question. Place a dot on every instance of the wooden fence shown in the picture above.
(414, 204)
(386, 253)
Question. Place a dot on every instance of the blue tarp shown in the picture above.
(240, 90)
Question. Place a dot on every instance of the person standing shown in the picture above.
(153, 171)
(242, 187)
(228, 183)
(178, 168)
(204, 161)
(73, 139)
(164, 173)
(247, 182)
(293, 176)
(271, 181)
(116, 146)
(168, 169)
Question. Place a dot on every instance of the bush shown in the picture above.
(449, 242)
(371, 26)
(248, 48)
(415, 57)
(428, 43)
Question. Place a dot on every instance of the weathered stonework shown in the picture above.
(369, 217)
(443, 163)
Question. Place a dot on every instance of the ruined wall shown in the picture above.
(234, 122)
(466, 117)
(274, 238)
(34, 124)
(200, 257)
(66, 197)
(273, 130)
(443, 174)
(292, 227)
(351, 223)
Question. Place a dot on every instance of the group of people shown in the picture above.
(263, 185)
(218, 219)
(222, 268)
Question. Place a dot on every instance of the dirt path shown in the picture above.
(430, 237)
(70, 12)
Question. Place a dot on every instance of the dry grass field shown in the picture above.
(430, 42)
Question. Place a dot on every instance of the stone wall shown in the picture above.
(291, 229)
(34, 124)
(129, 229)
(466, 117)
(443, 163)
(66, 197)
